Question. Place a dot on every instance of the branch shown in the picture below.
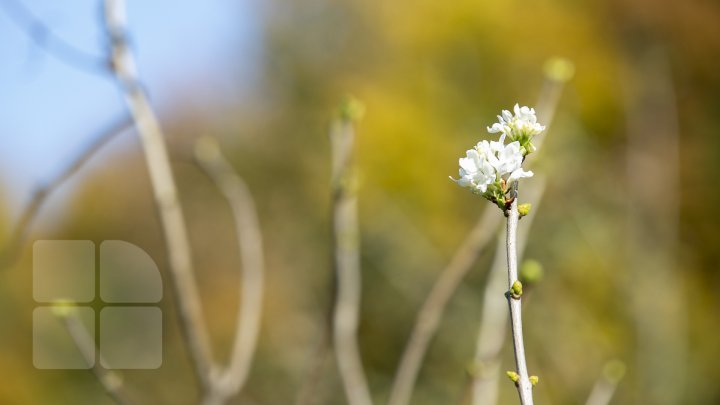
(557, 72)
(186, 294)
(428, 318)
(346, 264)
(523, 383)
(43, 192)
(46, 39)
(232, 186)
(605, 387)
(111, 381)
(491, 336)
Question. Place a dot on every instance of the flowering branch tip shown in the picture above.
(492, 168)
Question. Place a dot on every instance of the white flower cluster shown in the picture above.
(491, 168)
(521, 127)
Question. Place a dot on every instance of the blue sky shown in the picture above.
(49, 109)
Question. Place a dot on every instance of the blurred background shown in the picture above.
(627, 231)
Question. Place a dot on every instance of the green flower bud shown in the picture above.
(524, 209)
(516, 289)
(534, 380)
(513, 376)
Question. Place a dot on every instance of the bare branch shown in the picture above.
(493, 327)
(186, 295)
(523, 383)
(46, 39)
(605, 387)
(42, 193)
(431, 312)
(346, 262)
(111, 381)
(232, 186)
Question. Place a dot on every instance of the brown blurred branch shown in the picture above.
(557, 72)
(43, 192)
(236, 192)
(151, 136)
(46, 39)
(110, 380)
(431, 312)
(346, 263)
(605, 387)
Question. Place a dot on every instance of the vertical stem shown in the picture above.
(185, 289)
(431, 312)
(346, 261)
(493, 327)
(523, 384)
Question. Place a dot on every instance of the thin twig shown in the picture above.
(346, 262)
(232, 186)
(605, 387)
(186, 294)
(111, 381)
(523, 384)
(46, 39)
(431, 312)
(602, 392)
(43, 192)
(493, 327)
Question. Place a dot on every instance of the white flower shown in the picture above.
(506, 160)
(491, 162)
(519, 127)
(475, 171)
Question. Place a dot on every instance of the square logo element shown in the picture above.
(64, 333)
(63, 270)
